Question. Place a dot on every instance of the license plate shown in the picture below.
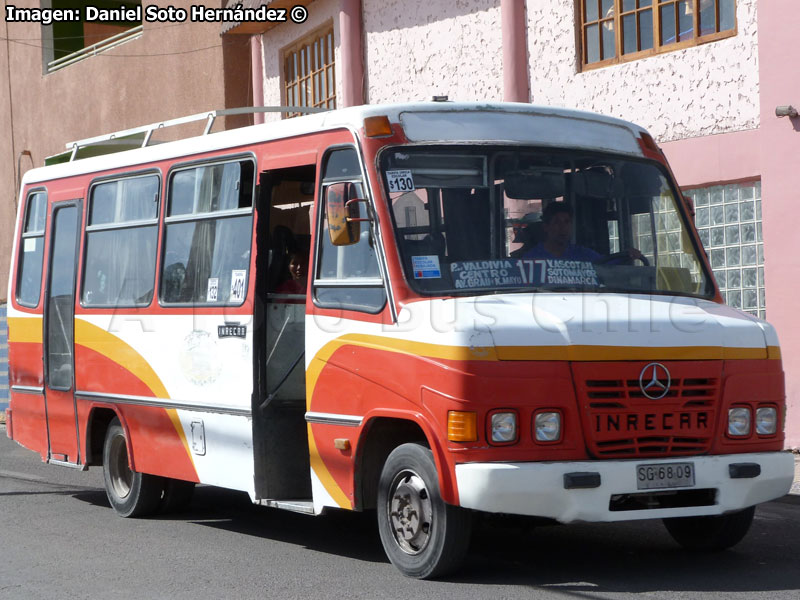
(664, 475)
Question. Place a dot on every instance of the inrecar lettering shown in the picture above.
(649, 424)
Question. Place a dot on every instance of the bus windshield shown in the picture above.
(509, 219)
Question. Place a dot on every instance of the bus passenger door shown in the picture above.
(280, 439)
(62, 422)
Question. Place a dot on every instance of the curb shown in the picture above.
(795, 490)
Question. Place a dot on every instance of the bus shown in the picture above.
(429, 311)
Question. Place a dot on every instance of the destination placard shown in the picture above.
(507, 273)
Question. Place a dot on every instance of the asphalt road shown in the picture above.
(59, 539)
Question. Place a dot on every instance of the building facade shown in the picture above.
(704, 76)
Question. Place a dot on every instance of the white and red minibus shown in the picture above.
(427, 309)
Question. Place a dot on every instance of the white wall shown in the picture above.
(712, 88)
(416, 49)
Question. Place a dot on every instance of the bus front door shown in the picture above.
(62, 422)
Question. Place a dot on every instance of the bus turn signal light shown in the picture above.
(462, 426)
(377, 126)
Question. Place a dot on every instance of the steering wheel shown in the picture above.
(622, 258)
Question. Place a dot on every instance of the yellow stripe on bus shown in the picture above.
(574, 353)
(25, 330)
(317, 464)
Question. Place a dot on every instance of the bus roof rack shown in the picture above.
(139, 137)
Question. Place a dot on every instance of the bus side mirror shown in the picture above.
(341, 206)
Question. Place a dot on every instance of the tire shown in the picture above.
(711, 534)
(176, 496)
(131, 494)
(422, 535)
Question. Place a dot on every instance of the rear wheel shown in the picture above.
(422, 535)
(131, 494)
(711, 533)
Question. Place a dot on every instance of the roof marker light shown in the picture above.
(377, 126)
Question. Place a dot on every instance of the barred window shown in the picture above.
(614, 31)
(309, 71)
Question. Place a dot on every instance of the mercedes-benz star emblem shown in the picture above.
(652, 381)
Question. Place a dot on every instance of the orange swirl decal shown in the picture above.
(116, 350)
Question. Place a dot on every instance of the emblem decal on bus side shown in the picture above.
(232, 330)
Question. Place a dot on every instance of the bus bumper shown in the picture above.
(607, 490)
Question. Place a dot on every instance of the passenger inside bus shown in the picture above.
(291, 201)
(557, 229)
(527, 231)
(297, 281)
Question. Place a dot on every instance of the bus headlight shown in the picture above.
(504, 427)
(739, 421)
(547, 426)
(766, 420)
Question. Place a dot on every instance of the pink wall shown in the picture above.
(725, 157)
(778, 23)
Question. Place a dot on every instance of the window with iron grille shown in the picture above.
(613, 31)
(309, 71)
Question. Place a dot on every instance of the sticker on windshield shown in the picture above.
(558, 272)
(486, 273)
(426, 267)
(213, 288)
(400, 180)
(507, 273)
(237, 286)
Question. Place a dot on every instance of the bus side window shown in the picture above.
(31, 251)
(121, 239)
(355, 264)
(209, 227)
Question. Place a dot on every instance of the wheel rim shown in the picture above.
(121, 475)
(410, 512)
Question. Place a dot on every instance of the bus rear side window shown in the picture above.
(208, 233)
(31, 251)
(121, 239)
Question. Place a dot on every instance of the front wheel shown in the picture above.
(131, 494)
(422, 535)
(711, 533)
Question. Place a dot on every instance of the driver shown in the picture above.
(557, 229)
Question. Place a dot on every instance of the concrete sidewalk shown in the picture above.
(796, 485)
